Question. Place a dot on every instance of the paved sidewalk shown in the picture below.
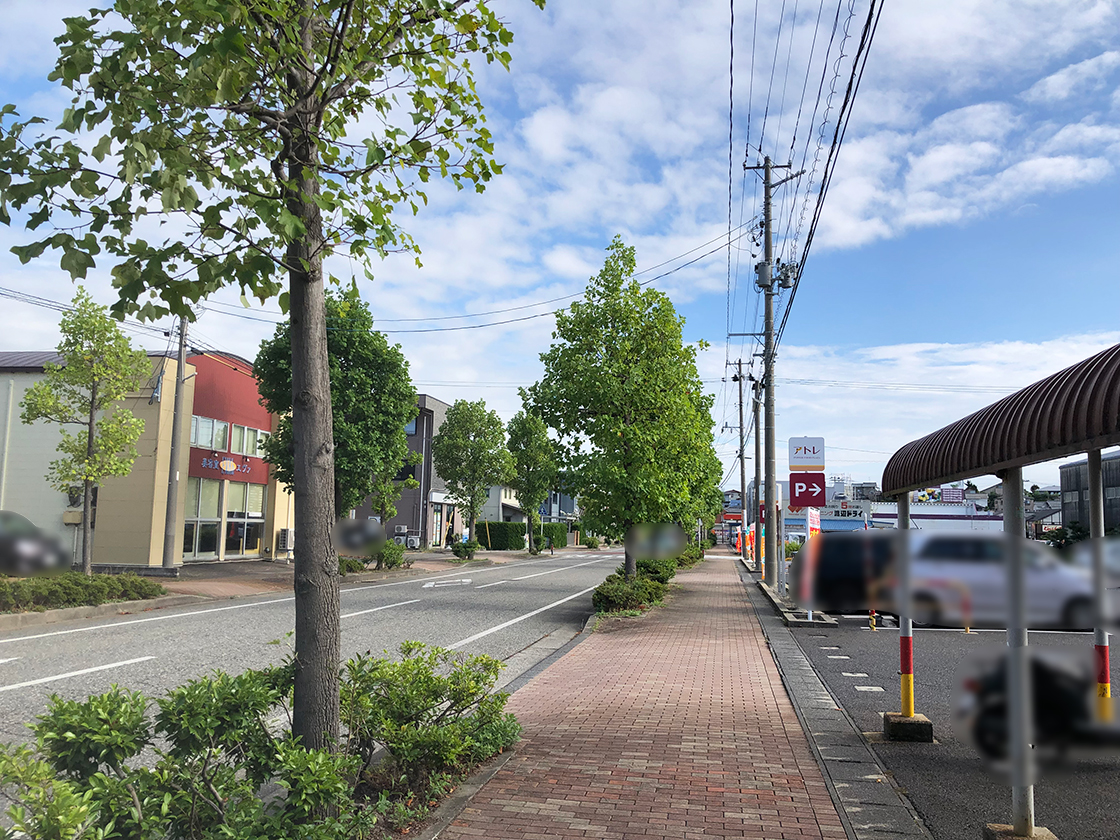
(676, 725)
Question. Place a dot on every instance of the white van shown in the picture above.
(960, 579)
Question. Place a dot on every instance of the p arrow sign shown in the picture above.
(806, 490)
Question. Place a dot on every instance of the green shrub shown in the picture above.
(558, 531)
(690, 557)
(500, 536)
(433, 710)
(350, 565)
(616, 593)
(661, 571)
(213, 741)
(391, 556)
(73, 589)
(590, 542)
(465, 550)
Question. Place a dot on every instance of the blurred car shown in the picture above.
(957, 579)
(961, 580)
(26, 550)
(1080, 555)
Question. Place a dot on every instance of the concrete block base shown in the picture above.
(918, 729)
(996, 831)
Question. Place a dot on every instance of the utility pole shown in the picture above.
(765, 281)
(742, 469)
(757, 478)
(170, 532)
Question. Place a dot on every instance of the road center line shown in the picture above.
(378, 609)
(208, 610)
(496, 583)
(564, 569)
(513, 621)
(42, 680)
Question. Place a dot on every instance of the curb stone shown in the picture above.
(870, 806)
(18, 621)
(448, 810)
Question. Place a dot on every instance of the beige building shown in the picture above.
(230, 506)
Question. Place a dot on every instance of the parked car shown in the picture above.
(26, 550)
(957, 578)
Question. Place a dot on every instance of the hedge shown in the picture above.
(500, 536)
(73, 589)
(616, 593)
(557, 530)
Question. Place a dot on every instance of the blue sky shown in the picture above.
(970, 239)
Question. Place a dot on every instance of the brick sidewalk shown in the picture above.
(674, 726)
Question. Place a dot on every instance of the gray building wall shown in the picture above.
(1075, 492)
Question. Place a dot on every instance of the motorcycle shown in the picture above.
(1063, 701)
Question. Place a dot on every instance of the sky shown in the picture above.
(967, 245)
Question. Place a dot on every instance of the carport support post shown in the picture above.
(905, 622)
(1100, 589)
(1018, 672)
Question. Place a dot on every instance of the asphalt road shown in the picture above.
(946, 781)
(499, 610)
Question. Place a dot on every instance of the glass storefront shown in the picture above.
(244, 520)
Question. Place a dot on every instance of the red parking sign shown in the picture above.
(806, 489)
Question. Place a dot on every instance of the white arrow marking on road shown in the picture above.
(512, 621)
(564, 569)
(495, 583)
(42, 680)
(460, 582)
(378, 609)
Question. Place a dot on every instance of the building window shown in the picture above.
(247, 441)
(410, 427)
(244, 519)
(203, 515)
(1112, 492)
(1070, 496)
(207, 433)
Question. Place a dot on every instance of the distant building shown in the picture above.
(1075, 491)
(866, 491)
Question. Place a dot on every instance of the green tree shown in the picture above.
(469, 453)
(268, 135)
(98, 368)
(372, 399)
(534, 465)
(622, 391)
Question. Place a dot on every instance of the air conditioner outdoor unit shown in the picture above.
(285, 539)
(402, 529)
(399, 540)
(413, 542)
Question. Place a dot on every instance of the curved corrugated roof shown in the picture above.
(1073, 411)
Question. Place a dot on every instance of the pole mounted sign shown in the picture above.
(806, 489)
(806, 454)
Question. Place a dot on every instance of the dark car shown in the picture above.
(26, 550)
(851, 571)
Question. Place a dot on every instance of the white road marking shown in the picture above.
(9, 659)
(432, 584)
(209, 610)
(563, 569)
(495, 568)
(869, 688)
(513, 621)
(496, 583)
(839, 657)
(42, 680)
(830, 647)
(856, 674)
(378, 609)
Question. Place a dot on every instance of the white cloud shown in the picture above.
(1090, 73)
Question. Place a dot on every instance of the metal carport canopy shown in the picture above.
(1072, 411)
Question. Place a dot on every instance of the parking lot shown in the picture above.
(946, 781)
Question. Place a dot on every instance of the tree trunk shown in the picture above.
(87, 485)
(630, 563)
(87, 515)
(529, 530)
(315, 712)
